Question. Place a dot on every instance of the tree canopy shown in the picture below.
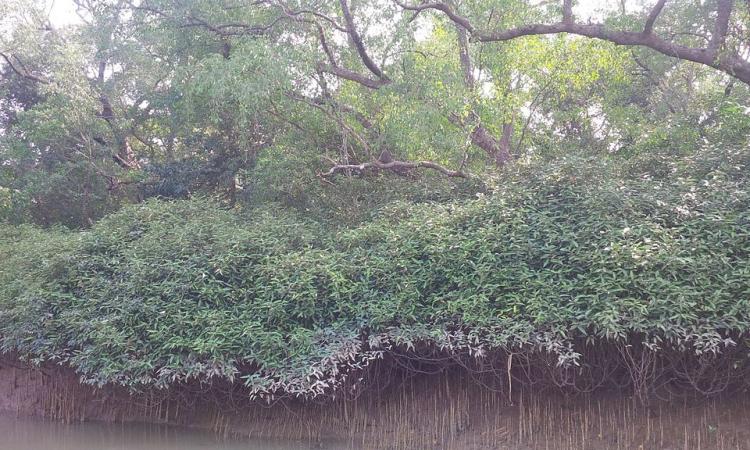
(160, 98)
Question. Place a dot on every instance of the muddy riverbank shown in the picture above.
(445, 410)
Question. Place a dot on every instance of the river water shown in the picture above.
(20, 433)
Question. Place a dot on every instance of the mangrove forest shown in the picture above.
(463, 224)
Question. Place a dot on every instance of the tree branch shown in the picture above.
(324, 44)
(21, 72)
(357, 41)
(465, 57)
(721, 27)
(444, 8)
(339, 120)
(396, 166)
(124, 156)
(222, 30)
(480, 136)
(332, 66)
(733, 64)
(385, 164)
(651, 19)
(567, 11)
(231, 29)
(293, 13)
(354, 76)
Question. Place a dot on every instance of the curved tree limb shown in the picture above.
(294, 13)
(324, 45)
(444, 8)
(732, 64)
(21, 72)
(332, 67)
(222, 30)
(387, 163)
(358, 44)
(124, 156)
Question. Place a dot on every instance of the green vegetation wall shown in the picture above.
(558, 259)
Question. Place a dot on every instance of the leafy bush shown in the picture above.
(563, 252)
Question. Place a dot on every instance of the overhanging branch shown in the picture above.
(711, 56)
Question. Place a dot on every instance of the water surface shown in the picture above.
(21, 433)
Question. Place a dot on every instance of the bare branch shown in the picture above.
(443, 7)
(324, 45)
(21, 72)
(732, 64)
(357, 41)
(648, 28)
(222, 29)
(567, 11)
(354, 76)
(719, 36)
(294, 13)
(396, 166)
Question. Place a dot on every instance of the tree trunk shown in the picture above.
(498, 150)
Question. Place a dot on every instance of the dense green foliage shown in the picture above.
(168, 291)
(118, 101)
(279, 193)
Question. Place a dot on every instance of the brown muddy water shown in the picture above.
(445, 411)
(539, 424)
(23, 433)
